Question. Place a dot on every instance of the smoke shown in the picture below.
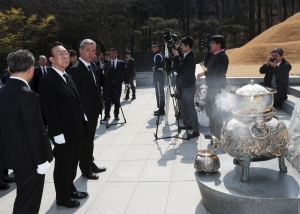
(225, 101)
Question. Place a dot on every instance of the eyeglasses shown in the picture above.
(61, 54)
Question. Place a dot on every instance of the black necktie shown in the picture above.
(114, 64)
(91, 72)
(44, 71)
(69, 83)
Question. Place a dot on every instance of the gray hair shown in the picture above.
(86, 41)
(20, 61)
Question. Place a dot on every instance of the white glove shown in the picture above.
(43, 168)
(60, 139)
(175, 73)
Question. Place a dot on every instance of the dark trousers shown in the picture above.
(87, 148)
(132, 86)
(159, 83)
(110, 95)
(188, 108)
(66, 162)
(30, 187)
(213, 113)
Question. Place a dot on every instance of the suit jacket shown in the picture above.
(130, 63)
(87, 88)
(281, 76)
(217, 65)
(61, 107)
(38, 74)
(24, 139)
(186, 69)
(115, 76)
(5, 76)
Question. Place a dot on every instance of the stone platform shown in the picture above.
(269, 190)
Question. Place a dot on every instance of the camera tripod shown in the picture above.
(170, 83)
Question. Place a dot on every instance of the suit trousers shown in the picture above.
(132, 86)
(110, 95)
(159, 82)
(87, 148)
(65, 168)
(188, 108)
(30, 187)
(213, 113)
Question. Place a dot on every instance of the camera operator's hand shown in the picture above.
(201, 74)
(175, 52)
(270, 62)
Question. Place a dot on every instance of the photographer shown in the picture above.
(216, 62)
(186, 67)
(158, 78)
(276, 70)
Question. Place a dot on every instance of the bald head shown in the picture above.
(42, 60)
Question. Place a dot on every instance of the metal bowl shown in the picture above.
(253, 99)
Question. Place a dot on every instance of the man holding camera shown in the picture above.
(276, 70)
(186, 67)
(216, 62)
(158, 78)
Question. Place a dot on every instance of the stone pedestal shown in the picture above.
(269, 190)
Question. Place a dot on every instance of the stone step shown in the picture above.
(294, 90)
(288, 105)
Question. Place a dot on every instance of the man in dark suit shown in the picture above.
(186, 67)
(129, 65)
(87, 84)
(115, 75)
(216, 61)
(73, 59)
(39, 72)
(276, 70)
(62, 108)
(24, 141)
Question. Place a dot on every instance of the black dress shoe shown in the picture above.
(193, 135)
(104, 119)
(155, 112)
(186, 127)
(68, 203)
(160, 113)
(90, 175)
(117, 118)
(126, 98)
(97, 169)
(79, 195)
(9, 179)
(4, 186)
(207, 136)
(133, 98)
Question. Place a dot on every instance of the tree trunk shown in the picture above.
(267, 18)
(258, 2)
(285, 15)
(251, 20)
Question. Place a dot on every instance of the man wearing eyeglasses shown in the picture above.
(276, 70)
(65, 117)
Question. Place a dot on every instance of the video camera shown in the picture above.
(207, 39)
(170, 39)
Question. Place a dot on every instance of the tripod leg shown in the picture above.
(123, 113)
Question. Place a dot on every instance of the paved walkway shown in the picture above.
(143, 175)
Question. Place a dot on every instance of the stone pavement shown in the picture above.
(143, 175)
